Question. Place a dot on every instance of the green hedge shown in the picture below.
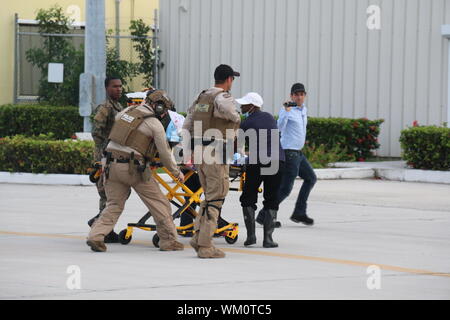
(358, 136)
(42, 155)
(329, 139)
(31, 120)
(426, 147)
(320, 157)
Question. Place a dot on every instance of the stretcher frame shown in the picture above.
(176, 195)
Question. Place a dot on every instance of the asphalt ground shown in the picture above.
(372, 239)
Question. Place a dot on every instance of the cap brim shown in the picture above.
(243, 102)
(236, 74)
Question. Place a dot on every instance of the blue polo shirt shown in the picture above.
(292, 125)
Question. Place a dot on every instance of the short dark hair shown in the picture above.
(220, 81)
(223, 72)
(109, 79)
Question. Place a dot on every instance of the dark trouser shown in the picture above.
(297, 165)
(193, 183)
(253, 180)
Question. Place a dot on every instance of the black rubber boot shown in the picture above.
(249, 219)
(269, 227)
(276, 224)
(261, 215)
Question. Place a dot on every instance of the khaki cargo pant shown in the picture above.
(117, 188)
(215, 182)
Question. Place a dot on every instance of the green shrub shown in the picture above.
(358, 136)
(320, 156)
(31, 120)
(426, 147)
(41, 155)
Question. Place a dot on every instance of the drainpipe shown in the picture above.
(445, 30)
(118, 28)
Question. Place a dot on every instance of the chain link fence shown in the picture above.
(27, 76)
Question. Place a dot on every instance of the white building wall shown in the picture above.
(397, 73)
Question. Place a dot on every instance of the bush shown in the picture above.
(31, 120)
(320, 156)
(426, 147)
(42, 155)
(358, 136)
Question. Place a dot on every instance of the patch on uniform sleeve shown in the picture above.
(202, 107)
(227, 95)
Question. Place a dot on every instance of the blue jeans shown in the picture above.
(297, 165)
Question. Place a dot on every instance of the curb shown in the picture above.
(405, 175)
(344, 173)
(45, 179)
(83, 180)
(413, 175)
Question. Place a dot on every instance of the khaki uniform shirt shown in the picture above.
(225, 108)
(103, 122)
(151, 127)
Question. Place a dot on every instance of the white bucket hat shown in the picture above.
(251, 98)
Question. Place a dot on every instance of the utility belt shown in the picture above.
(223, 146)
(142, 166)
(204, 142)
(136, 162)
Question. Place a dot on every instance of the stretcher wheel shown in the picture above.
(122, 239)
(155, 240)
(230, 240)
(93, 177)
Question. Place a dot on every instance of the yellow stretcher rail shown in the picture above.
(182, 197)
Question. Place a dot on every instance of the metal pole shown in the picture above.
(448, 86)
(92, 89)
(118, 28)
(445, 31)
(16, 55)
(156, 82)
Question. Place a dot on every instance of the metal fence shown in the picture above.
(27, 76)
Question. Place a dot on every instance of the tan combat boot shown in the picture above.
(194, 242)
(96, 246)
(172, 246)
(210, 253)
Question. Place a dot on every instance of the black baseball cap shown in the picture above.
(298, 87)
(223, 72)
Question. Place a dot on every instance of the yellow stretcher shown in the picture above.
(176, 193)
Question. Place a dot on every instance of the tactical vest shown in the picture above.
(204, 112)
(126, 132)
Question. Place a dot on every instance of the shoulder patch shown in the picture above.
(201, 107)
(226, 95)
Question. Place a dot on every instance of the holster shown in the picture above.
(131, 165)
(145, 171)
(108, 163)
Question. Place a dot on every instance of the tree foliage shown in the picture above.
(59, 49)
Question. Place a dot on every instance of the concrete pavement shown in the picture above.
(403, 228)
